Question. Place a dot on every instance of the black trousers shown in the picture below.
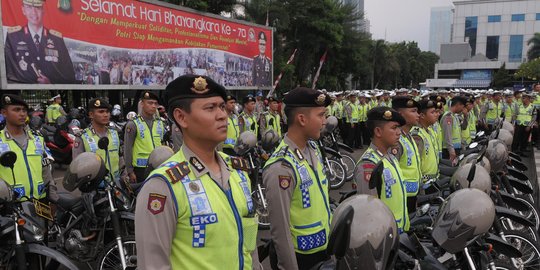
(521, 138)
(305, 261)
(353, 135)
(364, 133)
(342, 129)
(140, 173)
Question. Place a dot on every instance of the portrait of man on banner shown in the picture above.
(35, 54)
(262, 64)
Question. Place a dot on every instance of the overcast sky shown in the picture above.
(402, 19)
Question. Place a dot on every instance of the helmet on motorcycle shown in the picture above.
(159, 155)
(497, 154)
(465, 214)
(506, 137)
(245, 141)
(85, 172)
(6, 193)
(473, 157)
(374, 238)
(481, 179)
(62, 122)
(35, 122)
(269, 140)
(508, 126)
(331, 124)
(74, 113)
(117, 106)
(131, 115)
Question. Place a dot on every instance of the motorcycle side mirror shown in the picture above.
(340, 236)
(460, 157)
(423, 210)
(473, 145)
(103, 143)
(480, 134)
(8, 159)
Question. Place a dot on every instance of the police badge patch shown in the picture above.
(284, 182)
(156, 203)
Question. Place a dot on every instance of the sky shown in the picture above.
(402, 20)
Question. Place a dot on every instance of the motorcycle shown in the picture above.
(58, 140)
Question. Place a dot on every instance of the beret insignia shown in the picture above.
(98, 103)
(387, 115)
(410, 103)
(200, 86)
(320, 99)
(7, 99)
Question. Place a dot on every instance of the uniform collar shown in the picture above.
(300, 154)
(199, 168)
(91, 128)
(25, 131)
(376, 150)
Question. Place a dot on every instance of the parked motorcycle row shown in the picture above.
(481, 214)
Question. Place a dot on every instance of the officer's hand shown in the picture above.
(42, 79)
(453, 158)
(527, 129)
(132, 177)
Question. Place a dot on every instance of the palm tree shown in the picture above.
(534, 50)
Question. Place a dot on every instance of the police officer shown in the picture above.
(451, 126)
(407, 151)
(296, 185)
(54, 110)
(261, 64)
(32, 173)
(384, 125)
(426, 140)
(271, 119)
(142, 135)
(99, 112)
(363, 108)
(249, 117)
(259, 104)
(470, 130)
(351, 120)
(492, 111)
(35, 54)
(233, 125)
(196, 211)
(524, 119)
(536, 104)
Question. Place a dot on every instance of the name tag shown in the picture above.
(4, 147)
(142, 162)
(203, 219)
(388, 178)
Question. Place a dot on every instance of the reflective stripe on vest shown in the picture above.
(28, 169)
(250, 123)
(524, 115)
(90, 140)
(310, 214)
(146, 140)
(232, 132)
(410, 165)
(429, 158)
(211, 220)
(392, 191)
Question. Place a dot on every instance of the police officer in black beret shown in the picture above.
(296, 185)
(271, 119)
(196, 211)
(99, 111)
(233, 125)
(248, 117)
(143, 134)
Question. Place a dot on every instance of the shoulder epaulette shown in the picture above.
(313, 145)
(14, 29)
(55, 33)
(239, 163)
(178, 172)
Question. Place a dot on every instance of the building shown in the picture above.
(496, 31)
(440, 27)
(362, 25)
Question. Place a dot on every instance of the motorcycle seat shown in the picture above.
(67, 200)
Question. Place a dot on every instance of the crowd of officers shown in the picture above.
(196, 211)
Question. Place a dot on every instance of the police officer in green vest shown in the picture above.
(536, 104)
(524, 119)
(195, 211)
(338, 109)
(296, 185)
(248, 121)
(384, 124)
(406, 151)
(99, 112)
(427, 141)
(143, 134)
(351, 120)
(54, 110)
(470, 130)
(363, 108)
(32, 173)
(233, 125)
(451, 125)
(492, 111)
(271, 119)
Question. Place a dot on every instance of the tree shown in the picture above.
(501, 78)
(534, 51)
(529, 70)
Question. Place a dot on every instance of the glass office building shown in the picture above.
(440, 27)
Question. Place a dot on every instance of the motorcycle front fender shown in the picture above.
(345, 147)
(502, 247)
(510, 214)
(49, 252)
(332, 152)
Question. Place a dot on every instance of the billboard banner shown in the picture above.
(125, 44)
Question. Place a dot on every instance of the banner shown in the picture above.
(128, 44)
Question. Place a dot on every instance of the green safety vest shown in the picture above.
(146, 140)
(233, 131)
(536, 102)
(310, 214)
(90, 140)
(430, 156)
(472, 124)
(53, 112)
(250, 123)
(466, 135)
(392, 190)
(524, 115)
(273, 121)
(410, 165)
(494, 112)
(28, 169)
(330, 110)
(216, 228)
(362, 112)
(338, 110)
(456, 131)
(354, 114)
(436, 131)
(509, 109)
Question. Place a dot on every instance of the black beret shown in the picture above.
(437, 98)
(385, 114)
(9, 99)
(247, 99)
(276, 99)
(98, 103)
(458, 99)
(230, 97)
(306, 97)
(403, 102)
(193, 86)
(149, 96)
(426, 104)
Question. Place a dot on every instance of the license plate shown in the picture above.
(43, 210)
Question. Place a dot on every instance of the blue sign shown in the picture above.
(478, 74)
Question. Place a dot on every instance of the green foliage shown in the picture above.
(529, 70)
(534, 50)
(501, 78)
